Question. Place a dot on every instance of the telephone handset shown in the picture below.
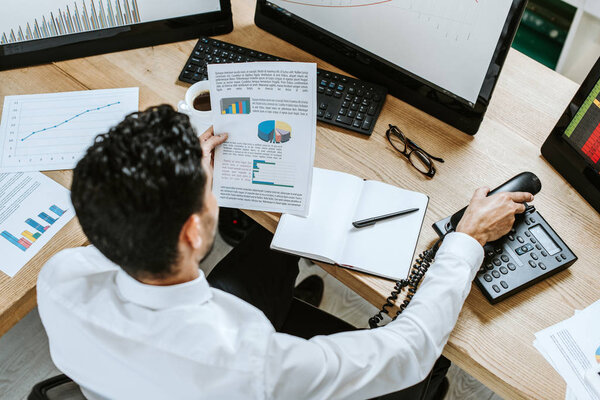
(530, 252)
(524, 182)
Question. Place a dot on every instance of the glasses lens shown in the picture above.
(421, 162)
(397, 139)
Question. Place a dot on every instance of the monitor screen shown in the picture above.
(583, 132)
(41, 19)
(448, 44)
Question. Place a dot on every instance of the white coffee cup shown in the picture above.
(200, 120)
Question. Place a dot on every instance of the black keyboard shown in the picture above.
(342, 101)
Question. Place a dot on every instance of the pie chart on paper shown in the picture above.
(272, 131)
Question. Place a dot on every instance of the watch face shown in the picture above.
(583, 132)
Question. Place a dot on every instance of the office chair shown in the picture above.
(60, 387)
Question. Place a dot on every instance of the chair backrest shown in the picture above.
(60, 387)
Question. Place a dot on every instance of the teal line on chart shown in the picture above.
(68, 120)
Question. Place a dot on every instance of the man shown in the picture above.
(133, 316)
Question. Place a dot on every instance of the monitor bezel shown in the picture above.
(59, 48)
(400, 83)
(564, 157)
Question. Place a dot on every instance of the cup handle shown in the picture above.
(182, 106)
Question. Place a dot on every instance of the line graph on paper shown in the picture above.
(52, 131)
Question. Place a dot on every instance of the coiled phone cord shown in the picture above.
(418, 270)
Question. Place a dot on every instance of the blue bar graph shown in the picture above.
(13, 240)
(56, 210)
(46, 218)
(35, 225)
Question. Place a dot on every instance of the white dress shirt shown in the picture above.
(121, 339)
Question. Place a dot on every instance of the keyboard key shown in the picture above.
(558, 258)
(328, 115)
(328, 92)
(351, 113)
(563, 256)
(354, 106)
(320, 113)
(360, 116)
(323, 106)
(498, 250)
(504, 284)
(340, 88)
(337, 94)
(327, 75)
(544, 253)
(542, 266)
(371, 110)
(496, 288)
(343, 120)
(363, 109)
(503, 270)
(349, 97)
(356, 124)
(356, 100)
(343, 111)
(533, 240)
(320, 89)
(368, 95)
(527, 234)
(366, 125)
(520, 239)
(511, 237)
(331, 85)
(360, 92)
(496, 274)
(377, 97)
(534, 256)
(351, 90)
(504, 258)
(497, 262)
(346, 104)
(489, 266)
(487, 277)
(323, 82)
(511, 266)
(532, 263)
(366, 102)
(519, 251)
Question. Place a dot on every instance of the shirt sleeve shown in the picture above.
(368, 363)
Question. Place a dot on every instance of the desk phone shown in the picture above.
(530, 252)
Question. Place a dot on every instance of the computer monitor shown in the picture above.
(39, 31)
(442, 56)
(573, 146)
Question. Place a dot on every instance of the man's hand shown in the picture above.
(489, 218)
(209, 141)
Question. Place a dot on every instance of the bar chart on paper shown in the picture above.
(35, 228)
(52, 131)
(33, 208)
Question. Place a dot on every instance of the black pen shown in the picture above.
(371, 221)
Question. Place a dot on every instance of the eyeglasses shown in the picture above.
(419, 158)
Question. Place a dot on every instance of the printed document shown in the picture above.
(269, 111)
(572, 347)
(33, 208)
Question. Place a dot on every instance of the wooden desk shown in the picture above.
(492, 343)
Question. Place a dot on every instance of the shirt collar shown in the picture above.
(162, 297)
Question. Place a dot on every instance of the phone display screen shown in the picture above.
(544, 239)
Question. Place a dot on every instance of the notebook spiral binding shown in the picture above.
(418, 270)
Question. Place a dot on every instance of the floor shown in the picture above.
(25, 360)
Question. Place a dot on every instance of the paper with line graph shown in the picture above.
(51, 131)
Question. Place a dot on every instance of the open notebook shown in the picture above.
(385, 249)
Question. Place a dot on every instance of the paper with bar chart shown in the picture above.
(266, 164)
(40, 19)
(449, 43)
(583, 131)
(51, 131)
(33, 208)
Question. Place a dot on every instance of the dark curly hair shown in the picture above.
(136, 186)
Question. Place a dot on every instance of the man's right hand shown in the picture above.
(489, 218)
